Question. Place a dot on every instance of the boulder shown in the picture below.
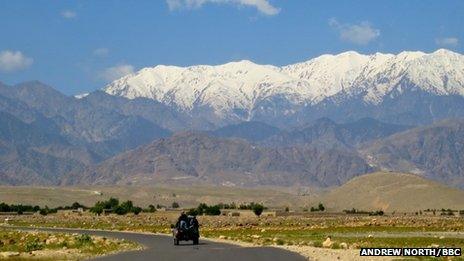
(327, 243)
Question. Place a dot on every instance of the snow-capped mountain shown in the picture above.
(243, 90)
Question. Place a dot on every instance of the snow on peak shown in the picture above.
(82, 95)
(242, 84)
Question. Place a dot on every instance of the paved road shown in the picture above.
(160, 247)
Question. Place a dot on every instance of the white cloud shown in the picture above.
(447, 41)
(101, 52)
(361, 34)
(116, 72)
(262, 6)
(68, 14)
(11, 61)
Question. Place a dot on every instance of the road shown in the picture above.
(161, 247)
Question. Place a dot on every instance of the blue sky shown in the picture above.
(79, 46)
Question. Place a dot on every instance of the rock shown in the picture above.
(442, 237)
(370, 236)
(344, 245)
(222, 237)
(327, 243)
(435, 245)
(255, 236)
(263, 230)
(51, 240)
(9, 254)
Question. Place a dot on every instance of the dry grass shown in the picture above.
(52, 246)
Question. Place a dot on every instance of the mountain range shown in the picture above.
(316, 123)
(407, 88)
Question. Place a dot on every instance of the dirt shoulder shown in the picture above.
(311, 253)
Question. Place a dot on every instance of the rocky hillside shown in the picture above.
(198, 157)
(435, 151)
(44, 135)
(327, 133)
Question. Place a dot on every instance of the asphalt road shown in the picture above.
(160, 247)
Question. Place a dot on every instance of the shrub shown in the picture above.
(175, 205)
(136, 210)
(127, 206)
(192, 212)
(378, 213)
(84, 239)
(33, 245)
(213, 211)
(321, 207)
(120, 210)
(258, 209)
(207, 210)
(76, 205)
(97, 209)
(111, 203)
(151, 208)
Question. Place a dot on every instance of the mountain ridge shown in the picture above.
(245, 91)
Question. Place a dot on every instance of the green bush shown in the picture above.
(192, 212)
(213, 211)
(136, 210)
(84, 239)
(150, 209)
(258, 209)
(33, 245)
(120, 210)
(97, 209)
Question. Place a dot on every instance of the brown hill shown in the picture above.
(391, 191)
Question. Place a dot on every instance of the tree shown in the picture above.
(151, 208)
(76, 205)
(213, 211)
(175, 205)
(258, 209)
(192, 212)
(127, 206)
(112, 203)
(97, 209)
(321, 207)
(120, 210)
(136, 210)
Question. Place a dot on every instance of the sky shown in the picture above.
(80, 46)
